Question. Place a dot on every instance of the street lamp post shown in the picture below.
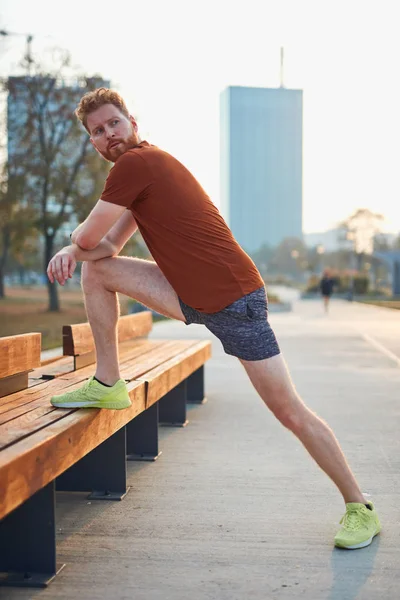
(352, 238)
(29, 39)
(320, 252)
(295, 255)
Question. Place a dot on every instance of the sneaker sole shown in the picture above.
(361, 545)
(117, 405)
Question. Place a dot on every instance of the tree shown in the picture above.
(261, 258)
(17, 231)
(361, 231)
(361, 228)
(381, 243)
(316, 258)
(289, 257)
(50, 150)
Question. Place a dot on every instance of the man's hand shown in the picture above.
(62, 265)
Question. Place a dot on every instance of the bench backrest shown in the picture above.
(78, 339)
(19, 354)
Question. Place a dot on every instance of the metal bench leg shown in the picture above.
(28, 542)
(142, 435)
(103, 471)
(172, 406)
(195, 387)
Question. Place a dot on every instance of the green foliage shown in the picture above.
(289, 257)
(262, 257)
(360, 284)
(313, 284)
(18, 236)
(136, 247)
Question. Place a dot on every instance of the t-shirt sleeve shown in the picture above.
(128, 178)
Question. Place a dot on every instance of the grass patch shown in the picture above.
(24, 310)
(385, 303)
(273, 298)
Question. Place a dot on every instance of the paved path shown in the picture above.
(234, 509)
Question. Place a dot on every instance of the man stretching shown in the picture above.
(200, 275)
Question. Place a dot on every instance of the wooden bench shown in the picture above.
(44, 449)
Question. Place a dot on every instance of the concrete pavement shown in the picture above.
(234, 508)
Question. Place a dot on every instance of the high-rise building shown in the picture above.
(261, 164)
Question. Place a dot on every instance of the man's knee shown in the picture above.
(94, 271)
(293, 415)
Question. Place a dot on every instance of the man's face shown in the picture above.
(111, 133)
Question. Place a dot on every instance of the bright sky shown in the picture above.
(172, 58)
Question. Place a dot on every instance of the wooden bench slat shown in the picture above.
(78, 339)
(65, 364)
(13, 383)
(30, 464)
(27, 417)
(24, 421)
(48, 361)
(19, 353)
(13, 417)
(164, 378)
(41, 398)
(129, 352)
(27, 396)
(33, 382)
(146, 363)
(129, 349)
(30, 422)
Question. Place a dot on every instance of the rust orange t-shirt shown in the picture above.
(183, 229)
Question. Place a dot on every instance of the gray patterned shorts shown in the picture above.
(242, 327)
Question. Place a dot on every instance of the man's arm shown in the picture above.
(103, 250)
(122, 231)
(98, 224)
(63, 264)
(113, 241)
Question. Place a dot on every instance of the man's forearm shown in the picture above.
(75, 233)
(103, 250)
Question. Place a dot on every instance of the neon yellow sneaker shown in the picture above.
(360, 526)
(95, 395)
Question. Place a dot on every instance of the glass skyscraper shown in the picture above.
(261, 164)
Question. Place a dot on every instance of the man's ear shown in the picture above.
(135, 125)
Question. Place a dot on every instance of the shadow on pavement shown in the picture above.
(351, 569)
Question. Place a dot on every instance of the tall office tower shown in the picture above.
(261, 164)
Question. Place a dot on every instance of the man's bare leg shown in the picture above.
(272, 381)
(133, 277)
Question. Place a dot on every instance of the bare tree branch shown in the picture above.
(52, 151)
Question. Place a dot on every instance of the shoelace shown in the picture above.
(353, 519)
